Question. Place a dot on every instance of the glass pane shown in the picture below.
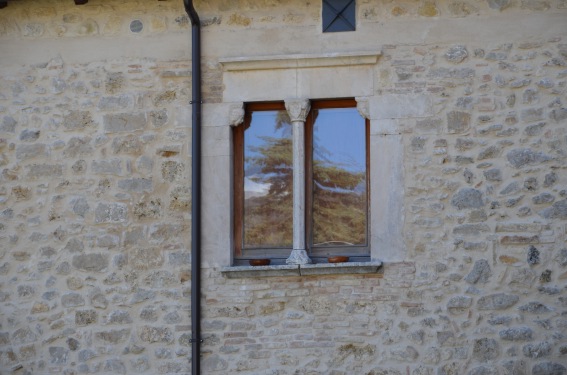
(339, 178)
(268, 181)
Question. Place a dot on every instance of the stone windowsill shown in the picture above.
(302, 270)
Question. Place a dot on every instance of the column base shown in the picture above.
(298, 257)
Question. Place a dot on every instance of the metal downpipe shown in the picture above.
(196, 105)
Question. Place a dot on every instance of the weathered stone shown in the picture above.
(137, 185)
(115, 103)
(144, 259)
(78, 146)
(158, 118)
(516, 334)
(550, 179)
(498, 4)
(522, 157)
(561, 257)
(480, 273)
(155, 334)
(511, 188)
(459, 304)
(115, 366)
(72, 299)
(140, 364)
(468, 198)
(25, 151)
(172, 170)
(456, 54)
(90, 262)
(458, 122)
(8, 125)
(78, 120)
(498, 301)
(111, 167)
(142, 295)
(533, 255)
(558, 114)
(549, 368)
(85, 317)
(80, 166)
(127, 145)
(535, 129)
(532, 114)
(149, 314)
(535, 308)
(489, 153)
(28, 135)
(124, 122)
(74, 245)
(80, 206)
(539, 350)
(74, 283)
(111, 213)
(557, 211)
(515, 367)
(113, 336)
(471, 229)
(493, 174)
(543, 198)
(58, 355)
(484, 370)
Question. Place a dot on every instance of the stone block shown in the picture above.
(557, 211)
(26, 152)
(115, 103)
(8, 125)
(468, 198)
(523, 157)
(155, 334)
(480, 273)
(41, 171)
(90, 262)
(111, 213)
(498, 301)
(516, 334)
(78, 121)
(107, 167)
(85, 317)
(124, 122)
(113, 336)
(72, 299)
(136, 185)
(458, 122)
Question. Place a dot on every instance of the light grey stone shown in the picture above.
(459, 304)
(111, 213)
(155, 334)
(58, 355)
(468, 198)
(557, 211)
(8, 125)
(72, 299)
(498, 4)
(28, 135)
(480, 273)
(543, 198)
(39, 171)
(484, 370)
(107, 167)
(498, 301)
(90, 262)
(113, 336)
(115, 366)
(471, 229)
(550, 179)
(516, 334)
(78, 120)
(456, 54)
(558, 114)
(549, 368)
(137, 185)
(539, 350)
(80, 206)
(493, 174)
(535, 308)
(85, 317)
(25, 151)
(124, 122)
(115, 103)
(522, 157)
(458, 122)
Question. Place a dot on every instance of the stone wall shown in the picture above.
(95, 198)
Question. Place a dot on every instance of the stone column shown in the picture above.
(298, 110)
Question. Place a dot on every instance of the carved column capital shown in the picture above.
(236, 114)
(363, 106)
(297, 109)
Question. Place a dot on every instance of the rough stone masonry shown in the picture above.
(95, 198)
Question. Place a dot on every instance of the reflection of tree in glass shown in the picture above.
(339, 206)
(269, 218)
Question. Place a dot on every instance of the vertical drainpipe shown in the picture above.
(196, 105)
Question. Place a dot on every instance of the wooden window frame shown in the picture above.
(319, 254)
(278, 255)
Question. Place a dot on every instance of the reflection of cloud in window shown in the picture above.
(255, 189)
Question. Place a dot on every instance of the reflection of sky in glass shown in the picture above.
(339, 139)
